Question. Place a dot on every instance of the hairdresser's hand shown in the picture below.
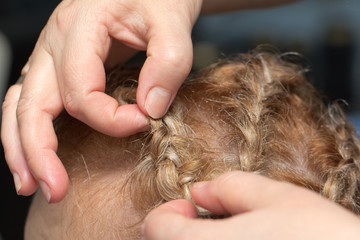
(66, 70)
(261, 209)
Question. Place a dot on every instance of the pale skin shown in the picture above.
(260, 208)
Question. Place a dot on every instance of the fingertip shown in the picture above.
(181, 206)
(55, 187)
(115, 120)
(60, 193)
(129, 119)
(215, 195)
(157, 102)
(25, 183)
(200, 191)
(54, 193)
(17, 182)
(171, 215)
(50, 173)
(45, 190)
(168, 63)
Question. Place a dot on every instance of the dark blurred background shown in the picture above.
(326, 32)
(20, 24)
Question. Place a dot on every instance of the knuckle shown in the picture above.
(177, 59)
(70, 103)
(62, 17)
(60, 21)
(58, 26)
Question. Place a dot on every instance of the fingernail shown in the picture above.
(17, 182)
(200, 185)
(46, 190)
(140, 117)
(157, 102)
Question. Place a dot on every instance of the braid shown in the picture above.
(254, 112)
(168, 163)
(238, 100)
(342, 185)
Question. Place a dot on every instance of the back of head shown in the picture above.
(255, 113)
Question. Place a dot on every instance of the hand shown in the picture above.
(66, 70)
(261, 209)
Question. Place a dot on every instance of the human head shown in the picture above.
(255, 112)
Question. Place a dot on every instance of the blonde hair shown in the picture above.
(254, 112)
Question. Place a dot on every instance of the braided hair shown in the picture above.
(254, 112)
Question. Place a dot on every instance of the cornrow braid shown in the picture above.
(342, 185)
(168, 163)
(254, 112)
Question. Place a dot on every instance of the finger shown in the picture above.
(177, 220)
(25, 184)
(39, 104)
(169, 61)
(176, 212)
(82, 82)
(238, 192)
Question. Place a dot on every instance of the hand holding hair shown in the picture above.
(259, 207)
(254, 112)
(66, 70)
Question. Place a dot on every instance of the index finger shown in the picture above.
(38, 106)
(179, 212)
(81, 77)
(177, 220)
(238, 192)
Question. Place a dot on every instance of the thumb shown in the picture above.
(170, 215)
(169, 61)
(238, 192)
